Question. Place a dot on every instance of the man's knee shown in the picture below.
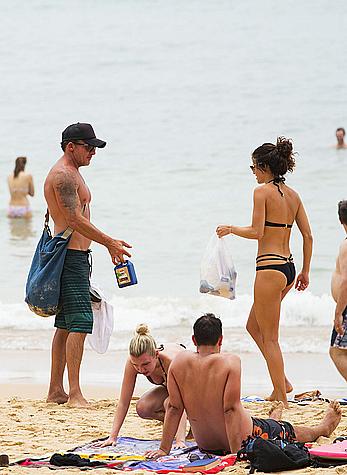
(61, 333)
(78, 335)
(251, 328)
(332, 353)
(144, 409)
(338, 356)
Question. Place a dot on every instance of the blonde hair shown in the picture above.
(142, 342)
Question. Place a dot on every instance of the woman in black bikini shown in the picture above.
(275, 208)
(145, 358)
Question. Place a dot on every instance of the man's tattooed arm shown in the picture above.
(66, 192)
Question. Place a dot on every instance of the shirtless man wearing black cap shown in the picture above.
(68, 199)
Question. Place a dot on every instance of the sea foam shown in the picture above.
(298, 309)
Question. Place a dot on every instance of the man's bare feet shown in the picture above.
(59, 397)
(78, 401)
(276, 410)
(331, 419)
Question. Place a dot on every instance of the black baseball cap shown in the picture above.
(81, 131)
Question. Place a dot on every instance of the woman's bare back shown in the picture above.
(282, 210)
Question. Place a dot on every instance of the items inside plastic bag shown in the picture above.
(217, 273)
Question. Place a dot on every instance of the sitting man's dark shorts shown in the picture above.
(75, 314)
(338, 341)
(271, 429)
(266, 429)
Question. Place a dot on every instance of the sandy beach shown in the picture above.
(31, 427)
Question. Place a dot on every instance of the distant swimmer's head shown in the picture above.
(342, 211)
(143, 350)
(19, 166)
(207, 331)
(274, 159)
(340, 135)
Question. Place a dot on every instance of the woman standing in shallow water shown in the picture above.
(20, 185)
(275, 208)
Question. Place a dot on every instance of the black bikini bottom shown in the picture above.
(288, 268)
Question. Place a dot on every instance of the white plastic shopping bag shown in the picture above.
(217, 273)
(103, 321)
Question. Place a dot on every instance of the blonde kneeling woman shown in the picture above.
(145, 358)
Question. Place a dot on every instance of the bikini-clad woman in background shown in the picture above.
(145, 358)
(20, 185)
(275, 207)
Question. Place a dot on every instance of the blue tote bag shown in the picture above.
(43, 283)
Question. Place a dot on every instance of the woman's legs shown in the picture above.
(253, 329)
(151, 404)
(263, 325)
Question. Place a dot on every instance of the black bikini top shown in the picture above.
(161, 347)
(276, 181)
(277, 225)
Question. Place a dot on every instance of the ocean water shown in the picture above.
(183, 92)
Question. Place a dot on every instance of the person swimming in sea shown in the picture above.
(276, 207)
(20, 185)
(340, 137)
(153, 362)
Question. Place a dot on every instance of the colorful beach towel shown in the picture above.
(127, 455)
(252, 399)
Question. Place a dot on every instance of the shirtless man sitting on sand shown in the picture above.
(338, 344)
(207, 385)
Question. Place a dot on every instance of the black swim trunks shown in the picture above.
(338, 341)
(266, 429)
(75, 314)
(271, 429)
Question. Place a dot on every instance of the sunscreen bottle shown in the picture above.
(125, 274)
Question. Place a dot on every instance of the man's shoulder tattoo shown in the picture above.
(66, 187)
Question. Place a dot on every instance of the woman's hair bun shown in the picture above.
(142, 329)
(284, 147)
(279, 158)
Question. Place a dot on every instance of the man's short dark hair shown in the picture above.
(342, 130)
(64, 144)
(342, 210)
(207, 330)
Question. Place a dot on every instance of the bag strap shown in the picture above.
(46, 224)
(68, 231)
